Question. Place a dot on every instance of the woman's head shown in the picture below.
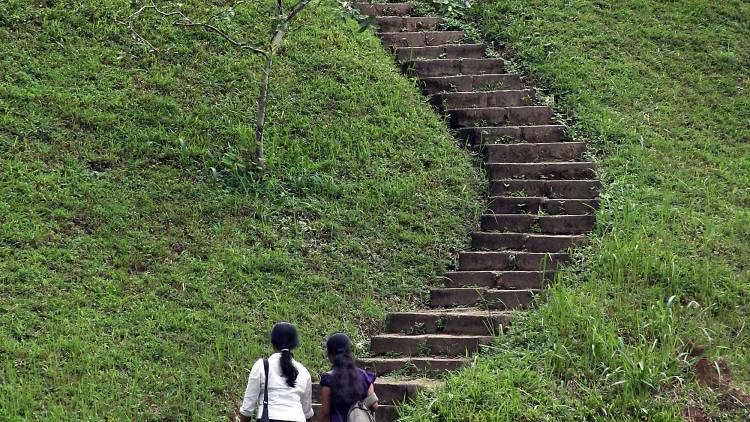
(284, 339)
(346, 382)
(338, 344)
(284, 336)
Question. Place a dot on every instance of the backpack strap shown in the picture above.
(264, 416)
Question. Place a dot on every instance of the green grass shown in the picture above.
(661, 90)
(136, 283)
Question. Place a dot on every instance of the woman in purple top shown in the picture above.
(345, 384)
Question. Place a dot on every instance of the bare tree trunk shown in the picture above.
(278, 37)
(260, 123)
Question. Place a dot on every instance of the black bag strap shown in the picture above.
(264, 416)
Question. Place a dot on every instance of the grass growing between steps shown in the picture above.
(137, 284)
(661, 91)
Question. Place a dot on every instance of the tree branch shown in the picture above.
(284, 25)
(183, 20)
(296, 9)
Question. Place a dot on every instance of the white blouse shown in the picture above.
(285, 403)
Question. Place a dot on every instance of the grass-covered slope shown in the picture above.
(661, 90)
(135, 286)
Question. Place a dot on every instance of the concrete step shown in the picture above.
(385, 9)
(420, 39)
(482, 99)
(491, 299)
(385, 413)
(445, 51)
(522, 115)
(430, 367)
(391, 390)
(406, 23)
(534, 152)
(427, 344)
(546, 171)
(485, 241)
(502, 280)
(502, 81)
(567, 189)
(536, 205)
(451, 67)
(510, 261)
(510, 134)
(538, 224)
(462, 321)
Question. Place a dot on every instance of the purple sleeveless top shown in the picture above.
(340, 410)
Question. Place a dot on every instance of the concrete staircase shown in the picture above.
(541, 201)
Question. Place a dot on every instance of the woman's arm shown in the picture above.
(325, 404)
(250, 399)
(371, 391)
(307, 400)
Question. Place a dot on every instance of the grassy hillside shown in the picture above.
(661, 90)
(138, 284)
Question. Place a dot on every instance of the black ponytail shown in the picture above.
(284, 339)
(346, 383)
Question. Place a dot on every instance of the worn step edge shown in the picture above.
(404, 54)
(501, 280)
(412, 365)
(427, 344)
(561, 170)
(447, 321)
(490, 298)
(392, 390)
(526, 242)
(384, 9)
(516, 205)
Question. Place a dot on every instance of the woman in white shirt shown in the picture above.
(289, 383)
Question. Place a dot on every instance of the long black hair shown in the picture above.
(346, 382)
(284, 339)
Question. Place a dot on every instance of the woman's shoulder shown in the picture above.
(258, 364)
(366, 375)
(326, 378)
(301, 369)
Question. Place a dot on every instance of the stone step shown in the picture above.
(534, 152)
(539, 224)
(486, 241)
(507, 134)
(406, 23)
(503, 280)
(450, 67)
(445, 51)
(431, 367)
(482, 99)
(568, 189)
(523, 115)
(536, 205)
(420, 39)
(427, 344)
(385, 413)
(491, 299)
(510, 260)
(390, 390)
(542, 171)
(385, 9)
(502, 81)
(463, 321)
